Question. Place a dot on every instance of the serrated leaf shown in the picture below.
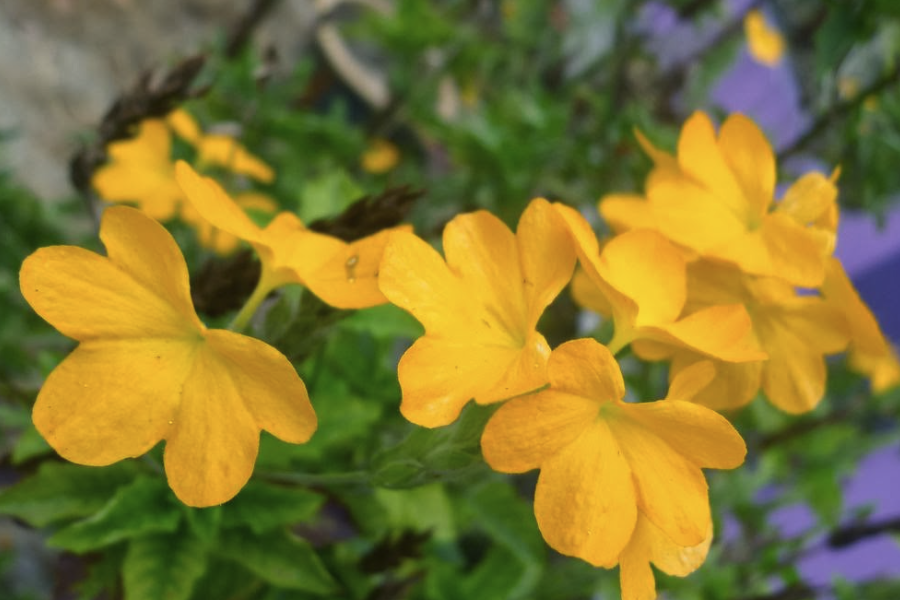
(163, 566)
(281, 559)
(61, 491)
(263, 507)
(142, 507)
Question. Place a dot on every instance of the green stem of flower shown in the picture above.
(317, 479)
(263, 287)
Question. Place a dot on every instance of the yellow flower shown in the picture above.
(340, 273)
(141, 171)
(870, 352)
(380, 157)
(480, 309)
(764, 42)
(218, 149)
(606, 465)
(642, 283)
(222, 242)
(146, 369)
(795, 331)
(716, 200)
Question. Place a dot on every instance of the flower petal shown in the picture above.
(547, 256)
(214, 440)
(695, 432)
(111, 400)
(809, 199)
(672, 491)
(268, 385)
(586, 368)
(690, 381)
(734, 385)
(752, 162)
(227, 152)
(624, 212)
(439, 376)
(585, 501)
(485, 255)
(649, 270)
(722, 332)
(349, 279)
(529, 430)
(214, 204)
(415, 277)
(691, 215)
(141, 290)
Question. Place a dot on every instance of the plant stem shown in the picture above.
(264, 286)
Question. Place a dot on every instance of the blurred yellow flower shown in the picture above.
(619, 482)
(870, 352)
(380, 157)
(716, 199)
(480, 309)
(642, 284)
(219, 150)
(765, 43)
(341, 273)
(146, 369)
(795, 331)
(140, 171)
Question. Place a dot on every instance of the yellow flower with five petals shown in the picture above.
(146, 369)
(480, 309)
(619, 482)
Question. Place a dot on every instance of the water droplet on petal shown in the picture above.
(350, 265)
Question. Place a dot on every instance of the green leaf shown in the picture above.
(204, 522)
(265, 506)
(429, 455)
(29, 445)
(61, 491)
(425, 508)
(509, 519)
(163, 566)
(145, 506)
(283, 560)
(500, 576)
(385, 321)
(327, 195)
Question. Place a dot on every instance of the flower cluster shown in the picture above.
(735, 289)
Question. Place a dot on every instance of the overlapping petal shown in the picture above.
(479, 309)
(643, 279)
(604, 463)
(146, 369)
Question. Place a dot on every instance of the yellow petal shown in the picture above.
(809, 199)
(722, 332)
(414, 277)
(649, 270)
(227, 152)
(671, 488)
(214, 440)
(765, 43)
(695, 432)
(751, 160)
(734, 385)
(184, 125)
(485, 254)
(214, 204)
(660, 158)
(701, 157)
(586, 368)
(349, 279)
(588, 295)
(267, 384)
(529, 430)
(882, 369)
(585, 501)
(692, 216)
(141, 290)
(438, 376)
(624, 212)
(839, 292)
(547, 256)
(112, 399)
(691, 380)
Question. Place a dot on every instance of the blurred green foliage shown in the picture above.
(374, 508)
